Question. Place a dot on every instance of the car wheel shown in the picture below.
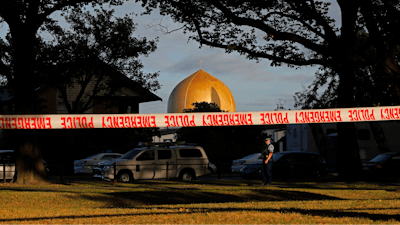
(187, 176)
(125, 177)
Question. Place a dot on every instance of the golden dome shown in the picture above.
(200, 87)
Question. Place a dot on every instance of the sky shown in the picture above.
(254, 86)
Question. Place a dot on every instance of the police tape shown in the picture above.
(89, 121)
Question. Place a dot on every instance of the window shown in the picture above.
(93, 156)
(147, 155)
(164, 154)
(108, 157)
(299, 158)
(277, 156)
(289, 158)
(317, 158)
(131, 154)
(190, 153)
(363, 134)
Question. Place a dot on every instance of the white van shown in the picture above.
(183, 161)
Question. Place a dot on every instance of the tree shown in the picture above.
(204, 107)
(280, 105)
(371, 87)
(24, 68)
(98, 55)
(301, 33)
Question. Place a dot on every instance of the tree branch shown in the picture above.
(163, 28)
(298, 20)
(329, 32)
(278, 35)
(5, 70)
(267, 56)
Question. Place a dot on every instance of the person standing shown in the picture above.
(267, 153)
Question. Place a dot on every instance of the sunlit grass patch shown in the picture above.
(238, 202)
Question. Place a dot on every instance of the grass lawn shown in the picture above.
(202, 202)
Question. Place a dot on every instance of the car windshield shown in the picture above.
(93, 156)
(250, 156)
(380, 158)
(131, 154)
(277, 156)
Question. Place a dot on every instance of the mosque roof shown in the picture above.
(200, 87)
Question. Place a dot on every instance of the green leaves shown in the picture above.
(204, 107)
(93, 51)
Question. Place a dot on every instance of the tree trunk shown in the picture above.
(348, 162)
(29, 158)
(29, 164)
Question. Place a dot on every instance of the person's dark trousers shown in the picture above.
(269, 172)
(264, 173)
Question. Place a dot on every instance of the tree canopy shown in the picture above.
(204, 107)
(372, 87)
(302, 33)
(97, 53)
(297, 33)
(29, 61)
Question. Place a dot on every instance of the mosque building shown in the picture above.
(200, 87)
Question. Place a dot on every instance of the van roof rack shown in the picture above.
(162, 144)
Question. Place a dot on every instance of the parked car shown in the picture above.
(383, 165)
(7, 159)
(212, 168)
(97, 169)
(86, 165)
(290, 164)
(238, 164)
(184, 162)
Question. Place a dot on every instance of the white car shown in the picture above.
(8, 158)
(86, 165)
(238, 164)
(184, 162)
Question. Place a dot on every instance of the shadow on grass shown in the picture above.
(173, 196)
(306, 212)
(136, 197)
(327, 184)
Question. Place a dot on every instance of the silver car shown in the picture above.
(87, 164)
